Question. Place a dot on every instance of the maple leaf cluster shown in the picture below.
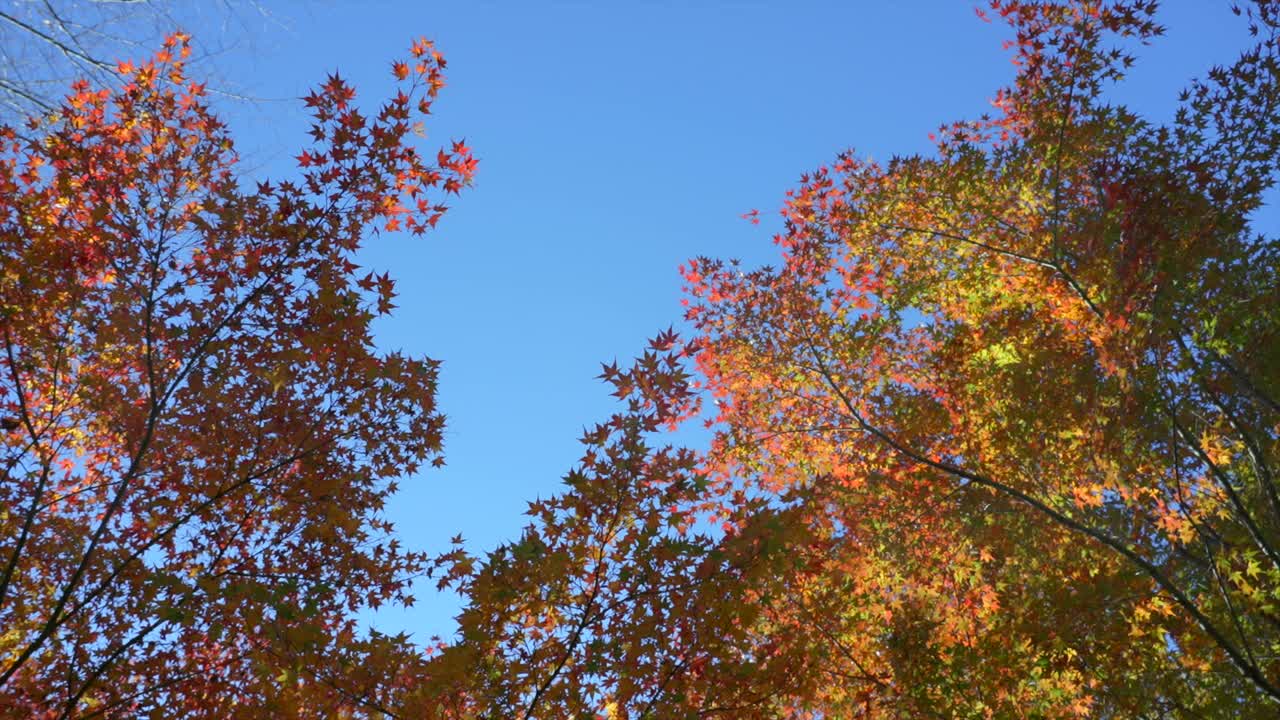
(199, 435)
(1026, 389)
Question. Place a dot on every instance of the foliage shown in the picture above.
(617, 599)
(1029, 388)
(998, 438)
(198, 435)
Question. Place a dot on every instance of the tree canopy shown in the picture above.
(998, 436)
(198, 433)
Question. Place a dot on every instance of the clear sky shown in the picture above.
(616, 140)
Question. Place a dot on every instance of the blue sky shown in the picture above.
(616, 140)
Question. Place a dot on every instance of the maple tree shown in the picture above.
(198, 434)
(998, 438)
(1028, 389)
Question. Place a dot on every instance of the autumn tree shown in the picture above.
(998, 437)
(1028, 387)
(198, 434)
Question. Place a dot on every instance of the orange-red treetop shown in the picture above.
(199, 435)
